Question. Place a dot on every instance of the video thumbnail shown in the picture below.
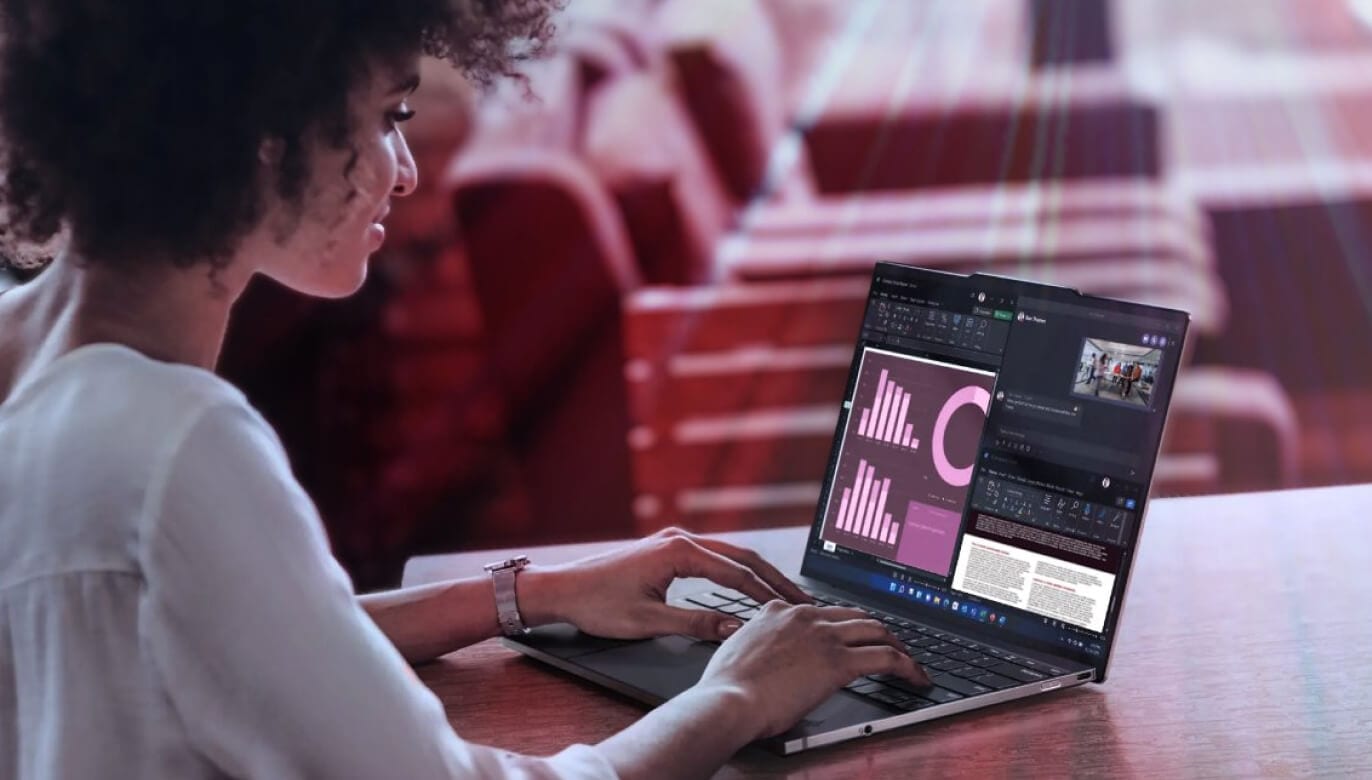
(1117, 372)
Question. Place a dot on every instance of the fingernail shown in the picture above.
(728, 627)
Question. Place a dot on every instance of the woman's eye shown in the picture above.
(394, 118)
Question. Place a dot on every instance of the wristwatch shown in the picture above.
(506, 605)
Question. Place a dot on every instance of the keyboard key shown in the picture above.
(890, 696)
(902, 684)
(939, 695)
(708, 600)
(746, 614)
(865, 686)
(914, 703)
(967, 672)
(995, 681)
(985, 661)
(959, 685)
(922, 641)
(964, 655)
(927, 658)
(1016, 672)
(734, 609)
(730, 594)
(942, 648)
(749, 603)
(945, 665)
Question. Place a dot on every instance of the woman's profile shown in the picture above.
(168, 603)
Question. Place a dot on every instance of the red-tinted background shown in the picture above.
(626, 296)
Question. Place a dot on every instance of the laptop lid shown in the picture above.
(993, 456)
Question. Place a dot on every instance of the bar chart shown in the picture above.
(887, 419)
(909, 445)
(862, 509)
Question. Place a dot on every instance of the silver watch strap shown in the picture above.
(506, 603)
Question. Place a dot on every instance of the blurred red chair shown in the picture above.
(550, 264)
(642, 145)
(1229, 430)
(734, 391)
(727, 60)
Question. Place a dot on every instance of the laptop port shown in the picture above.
(1083, 675)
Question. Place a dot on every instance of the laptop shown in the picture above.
(984, 497)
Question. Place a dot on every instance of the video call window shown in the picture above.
(1116, 372)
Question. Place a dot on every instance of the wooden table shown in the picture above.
(1244, 651)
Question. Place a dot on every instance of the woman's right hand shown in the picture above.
(788, 659)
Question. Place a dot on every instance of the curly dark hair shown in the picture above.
(137, 123)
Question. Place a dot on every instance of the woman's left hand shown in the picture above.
(622, 594)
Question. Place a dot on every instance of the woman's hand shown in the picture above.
(789, 659)
(622, 594)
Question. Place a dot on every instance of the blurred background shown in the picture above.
(626, 293)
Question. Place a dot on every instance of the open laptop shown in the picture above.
(984, 496)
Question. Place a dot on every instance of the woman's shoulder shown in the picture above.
(111, 406)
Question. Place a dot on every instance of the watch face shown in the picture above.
(519, 561)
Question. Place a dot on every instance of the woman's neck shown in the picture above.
(177, 315)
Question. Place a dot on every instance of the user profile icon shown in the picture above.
(1000, 396)
(1021, 317)
(1105, 482)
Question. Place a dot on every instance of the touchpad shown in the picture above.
(662, 667)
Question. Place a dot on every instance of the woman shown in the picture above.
(168, 606)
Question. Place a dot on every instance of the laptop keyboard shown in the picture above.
(959, 668)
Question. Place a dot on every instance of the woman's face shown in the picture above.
(348, 195)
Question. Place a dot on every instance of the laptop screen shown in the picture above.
(993, 454)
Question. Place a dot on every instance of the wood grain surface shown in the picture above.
(1243, 652)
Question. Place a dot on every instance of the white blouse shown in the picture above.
(169, 606)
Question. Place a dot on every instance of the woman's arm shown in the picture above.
(427, 621)
(620, 594)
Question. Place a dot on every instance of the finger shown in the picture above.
(883, 659)
(696, 561)
(699, 623)
(839, 614)
(865, 632)
(769, 573)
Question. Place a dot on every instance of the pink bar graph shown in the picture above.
(887, 420)
(862, 508)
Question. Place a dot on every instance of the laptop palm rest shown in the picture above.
(666, 666)
(661, 667)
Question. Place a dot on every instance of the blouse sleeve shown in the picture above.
(259, 642)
